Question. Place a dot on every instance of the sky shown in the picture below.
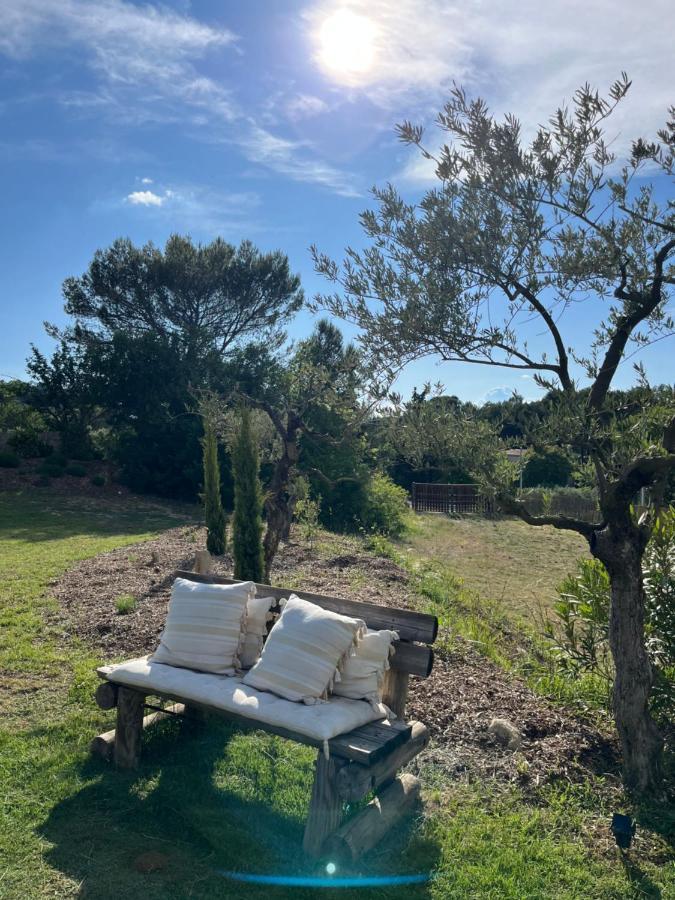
(272, 120)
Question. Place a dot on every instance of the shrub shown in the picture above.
(98, 480)
(307, 517)
(247, 524)
(9, 460)
(213, 507)
(48, 469)
(29, 444)
(581, 641)
(57, 459)
(76, 470)
(386, 506)
(125, 603)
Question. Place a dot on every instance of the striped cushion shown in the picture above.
(303, 650)
(257, 615)
(204, 626)
(362, 677)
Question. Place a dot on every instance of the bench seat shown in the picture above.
(227, 694)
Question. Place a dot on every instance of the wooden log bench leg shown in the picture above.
(369, 826)
(325, 807)
(104, 744)
(129, 728)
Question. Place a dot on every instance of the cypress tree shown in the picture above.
(247, 526)
(213, 508)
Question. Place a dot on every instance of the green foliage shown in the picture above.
(547, 468)
(209, 295)
(307, 517)
(386, 506)
(125, 604)
(98, 480)
(247, 527)
(76, 470)
(9, 460)
(580, 637)
(66, 393)
(213, 508)
(19, 416)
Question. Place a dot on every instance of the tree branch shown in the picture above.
(566, 523)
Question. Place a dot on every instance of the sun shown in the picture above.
(347, 44)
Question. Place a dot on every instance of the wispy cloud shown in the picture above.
(199, 208)
(521, 55)
(304, 106)
(146, 63)
(291, 158)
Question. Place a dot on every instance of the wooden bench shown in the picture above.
(363, 760)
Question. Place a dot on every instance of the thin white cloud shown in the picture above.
(145, 198)
(304, 106)
(146, 180)
(291, 158)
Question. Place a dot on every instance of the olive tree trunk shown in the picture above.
(621, 549)
(278, 501)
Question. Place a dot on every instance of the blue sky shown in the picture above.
(256, 120)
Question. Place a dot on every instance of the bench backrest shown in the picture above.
(412, 656)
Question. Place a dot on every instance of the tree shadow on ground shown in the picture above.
(196, 811)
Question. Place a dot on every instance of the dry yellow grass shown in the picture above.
(504, 560)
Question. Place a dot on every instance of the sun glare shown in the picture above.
(347, 44)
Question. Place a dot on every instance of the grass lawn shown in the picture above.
(503, 560)
(210, 803)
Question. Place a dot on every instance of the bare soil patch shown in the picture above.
(458, 701)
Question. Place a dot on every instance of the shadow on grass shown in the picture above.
(211, 803)
(25, 517)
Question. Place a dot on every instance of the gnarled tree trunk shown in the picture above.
(278, 501)
(620, 548)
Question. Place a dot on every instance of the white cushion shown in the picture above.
(255, 629)
(303, 651)
(319, 723)
(362, 676)
(203, 629)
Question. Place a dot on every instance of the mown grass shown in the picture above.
(216, 801)
(505, 561)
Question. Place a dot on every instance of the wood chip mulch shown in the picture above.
(464, 693)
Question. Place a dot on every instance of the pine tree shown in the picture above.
(213, 508)
(247, 526)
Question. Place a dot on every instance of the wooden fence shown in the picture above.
(449, 498)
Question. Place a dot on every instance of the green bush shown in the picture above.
(581, 640)
(386, 506)
(29, 444)
(58, 460)
(98, 480)
(76, 470)
(48, 469)
(9, 460)
(247, 524)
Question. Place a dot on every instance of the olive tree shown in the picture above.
(517, 231)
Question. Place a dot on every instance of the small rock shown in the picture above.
(506, 733)
(152, 861)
